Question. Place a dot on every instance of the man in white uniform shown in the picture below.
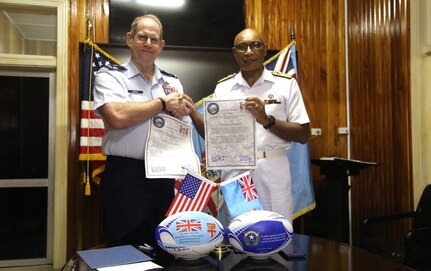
(276, 102)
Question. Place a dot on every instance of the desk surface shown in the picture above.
(320, 254)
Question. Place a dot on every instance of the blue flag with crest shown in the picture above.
(285, 61)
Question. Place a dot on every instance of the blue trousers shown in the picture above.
(133, 205)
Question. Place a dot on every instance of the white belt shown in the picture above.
(269, 154)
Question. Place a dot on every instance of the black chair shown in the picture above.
(414, 249)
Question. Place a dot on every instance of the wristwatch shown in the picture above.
(271, 122)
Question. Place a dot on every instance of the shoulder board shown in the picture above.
(227, 77)
(168, 74)
(280, 74)
(114, 67)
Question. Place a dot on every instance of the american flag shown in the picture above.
(193, 195)
(188, 225)
(248, 188)
(91, 125)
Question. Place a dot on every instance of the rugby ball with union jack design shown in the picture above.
(189, 235)
(259, 233)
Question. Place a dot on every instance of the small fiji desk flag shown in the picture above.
(240, 195)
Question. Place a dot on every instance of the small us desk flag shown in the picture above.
(240, 194)
(92, 127)
(193, 195)
(285, 61)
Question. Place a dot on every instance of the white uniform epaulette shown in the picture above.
(227, 77)
(275, 73)
(169, 74)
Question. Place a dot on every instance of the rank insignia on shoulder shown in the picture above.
(168, 74)
(280, 74)
(227, 77)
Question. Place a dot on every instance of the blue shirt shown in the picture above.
(130, 86)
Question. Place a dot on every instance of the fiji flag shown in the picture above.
(299, 155)
(284, 61)
(240, 194)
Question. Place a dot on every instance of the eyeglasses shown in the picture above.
(254, 45)
(144, 38)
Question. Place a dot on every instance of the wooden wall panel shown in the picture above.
(253, 14)
(74, 215)
(98, 12)
(380, 108)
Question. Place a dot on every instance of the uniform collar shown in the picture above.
(157, 74)
(133, 71)
(266, 76)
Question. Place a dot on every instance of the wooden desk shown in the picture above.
(321, 255)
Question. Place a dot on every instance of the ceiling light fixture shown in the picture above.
(163, 3)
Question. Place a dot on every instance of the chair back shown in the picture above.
(422, 216)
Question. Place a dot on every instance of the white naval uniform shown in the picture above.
(131, 86)
(271, 175)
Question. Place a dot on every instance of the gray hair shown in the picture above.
(150, 16)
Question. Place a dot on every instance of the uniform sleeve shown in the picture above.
(107, 88)
(296, 111)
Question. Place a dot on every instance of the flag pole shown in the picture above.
(222, 249)
(87, 190)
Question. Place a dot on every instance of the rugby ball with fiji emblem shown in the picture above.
(189, 235)
(259, 233)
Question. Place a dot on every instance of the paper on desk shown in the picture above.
(112, 256)
(142, 266)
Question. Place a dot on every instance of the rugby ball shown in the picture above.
(189, 235)
(259, 233)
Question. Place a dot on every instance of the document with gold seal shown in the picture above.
(169, 151)
(230, 135)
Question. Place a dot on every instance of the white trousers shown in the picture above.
(273, 184)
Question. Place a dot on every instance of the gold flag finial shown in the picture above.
(292, 33)
(89, 27)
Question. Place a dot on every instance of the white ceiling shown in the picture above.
(34, 26)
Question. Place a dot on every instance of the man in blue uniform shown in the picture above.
(127, 99)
